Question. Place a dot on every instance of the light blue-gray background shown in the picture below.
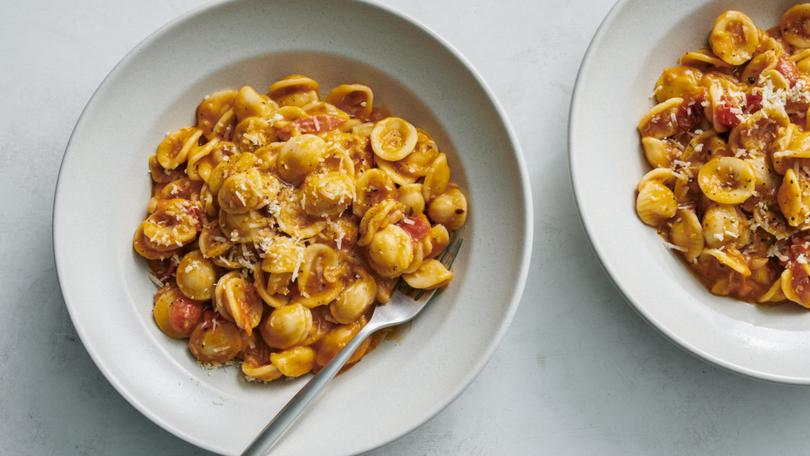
(578, 372)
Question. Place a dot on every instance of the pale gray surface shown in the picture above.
(578, 372)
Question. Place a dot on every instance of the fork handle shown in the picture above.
(288, 415)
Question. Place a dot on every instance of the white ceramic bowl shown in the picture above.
(103, 188)
(637, 40)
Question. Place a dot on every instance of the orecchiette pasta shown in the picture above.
(393, 139)
(729, 144)
(196, 276)
(279, 221)
(734, 37)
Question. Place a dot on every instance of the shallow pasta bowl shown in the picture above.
(103, 187)
(634, 44)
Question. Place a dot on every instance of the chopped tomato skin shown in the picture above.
(185, 313)
(417, 229)
(753, 102)
(788, 70)
(725, 116)
(798, 248)
(689, 114)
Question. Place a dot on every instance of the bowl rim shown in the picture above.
(526, 232)
(585, 67)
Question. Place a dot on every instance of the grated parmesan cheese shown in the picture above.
(673, 246)
(299, 260)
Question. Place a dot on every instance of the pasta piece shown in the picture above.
(803, 66)
(287, 326)
(236, 164)
(393, 138)
(412, 198)
(196, 276)
(765, 182)
(212, 241)
(789, 198)
(770, 43)
(727, 180)
(321, 277)
(774, 293)
(340, 234)
(655, 204)
(282, 254)
(449, 209)
(390, 252)
(294, 90)
(795, 26)
(355, 99)
(273, 288)
(336, 339)
(762, 62)
(431, 274)
(267, 156)
(356, 298)
(660, 153)
(173, 150)
(293, 220)
(174, 223)
(299, 157)
(679, 82)
(320, 326)
(215, 341)
(436, 179)
(702, 147)
(215, 115)
(246, 191)
(796, 144)
(203, 159)
(439, 239)
(381, 215)
(795, 284)
(775, 79)
(249, 103)
(686, 232)
(235, 299)
(161, 175)
(724, 225)
(256, 365)
(183, 188)
(253, 132)
(372, 187)
(294, 362)
(731, 258)
(175, 314)
(327, 194)
(326, 110)
(338, 160)
(702, 59)
(661, 121)
(417, 164)
(144, 247)
(242, 228)
(734, 37)
(385, 288)
(772, 221)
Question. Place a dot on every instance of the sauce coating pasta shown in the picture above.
(280, 220)
(729, 144)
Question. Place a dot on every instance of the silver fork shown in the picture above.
(405, 304)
